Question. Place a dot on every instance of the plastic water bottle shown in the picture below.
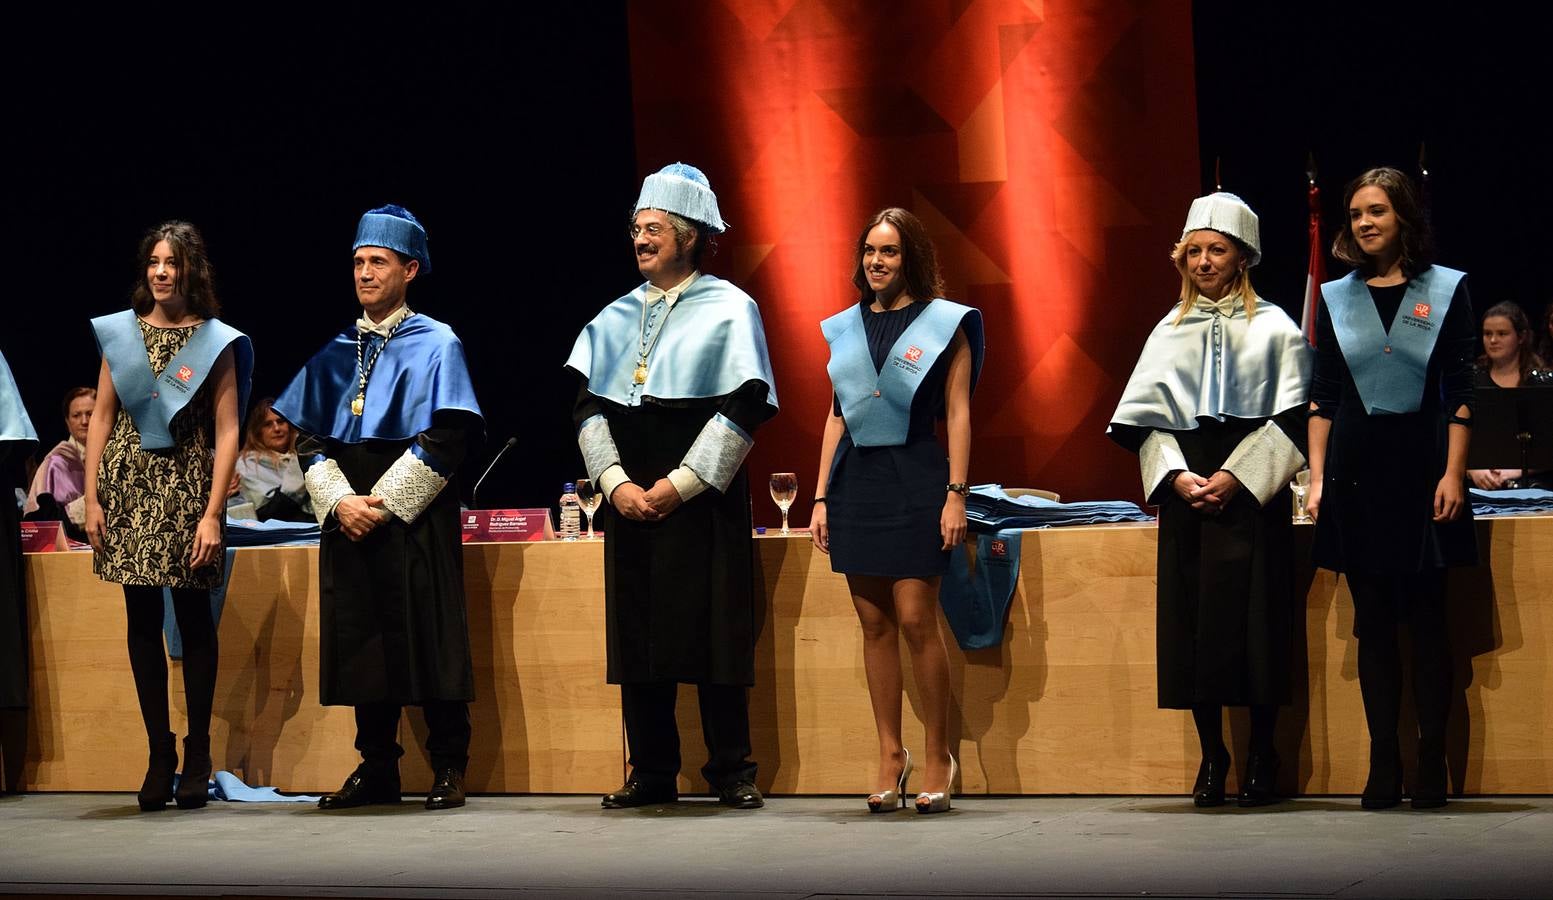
(571, 512)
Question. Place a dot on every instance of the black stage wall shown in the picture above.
(508, 130)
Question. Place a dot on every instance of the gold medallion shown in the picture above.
(359, 404)
(640, 376)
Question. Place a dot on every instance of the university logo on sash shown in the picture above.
(185, 373)
(913, 354)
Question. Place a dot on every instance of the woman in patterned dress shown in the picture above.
(154, 516)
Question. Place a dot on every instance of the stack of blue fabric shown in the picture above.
(988, 508)
(274, 533)
(1528, 502)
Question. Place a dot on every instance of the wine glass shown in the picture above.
(588, 498)
(784, 490)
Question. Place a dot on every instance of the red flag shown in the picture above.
(1317, 271)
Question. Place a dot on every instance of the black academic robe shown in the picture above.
(679, 592)
(13, 584)
(393, 626)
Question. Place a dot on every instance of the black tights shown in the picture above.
(1382, 604)
(1210, 729)
(148, 656)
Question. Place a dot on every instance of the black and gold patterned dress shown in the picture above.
(152, 500)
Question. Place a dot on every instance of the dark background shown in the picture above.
(508, 130)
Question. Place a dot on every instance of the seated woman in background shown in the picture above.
(58, 487)
(1506, 361)
(267, 470)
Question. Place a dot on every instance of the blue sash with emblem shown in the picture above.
(151, 399)
(877, 404)
(1389, 369)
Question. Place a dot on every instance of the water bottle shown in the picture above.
(571, 512)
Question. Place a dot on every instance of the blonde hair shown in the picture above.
(1189, 292)
(253, 439)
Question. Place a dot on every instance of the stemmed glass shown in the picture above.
(784, 490)
(588, 498)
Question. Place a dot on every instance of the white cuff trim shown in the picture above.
(688, 483)
(1159, 456)
(409, 486)
(327, 485)
(609, 479)
(75, 510)
(1264, 461)
(718, 452)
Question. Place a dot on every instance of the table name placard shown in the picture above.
(43, 537)
(507, 525)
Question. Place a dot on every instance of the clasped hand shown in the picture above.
(646, 506)
(1207, 495)
(358, 515)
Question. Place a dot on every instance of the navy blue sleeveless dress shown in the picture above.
(883, 503)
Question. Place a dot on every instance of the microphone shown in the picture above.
(474, 495)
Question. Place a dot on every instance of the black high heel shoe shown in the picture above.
(1433, 781)
(1261, 785)
(157, 788)
(1208, 790)
(1383, 789)
(194, 787)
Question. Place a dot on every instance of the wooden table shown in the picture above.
(1065, 705)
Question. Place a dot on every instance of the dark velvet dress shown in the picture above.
(883, 504)
(679, 593)
(1377, 496)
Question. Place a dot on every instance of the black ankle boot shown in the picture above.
(1433, 780)
(157, 789)
(1383, 790)
(1261, 785)
(1211, 776)
(194, 786)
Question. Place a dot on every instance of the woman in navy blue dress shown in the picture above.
(890, 504)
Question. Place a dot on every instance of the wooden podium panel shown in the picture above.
(1066, 704)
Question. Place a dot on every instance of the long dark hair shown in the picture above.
(196, 280)
(1521, 325)
(1413, 224)
(919, 261)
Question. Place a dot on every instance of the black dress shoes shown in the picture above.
(1261, 787)
(741, 795)
(1211, 776)
(1383, 789)
(448, 792)
(362, 788)
(1432, 783)
(157, 790)
(640, 793)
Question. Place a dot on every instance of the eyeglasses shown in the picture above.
(653, 229)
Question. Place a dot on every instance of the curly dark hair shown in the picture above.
(919, 261)
(196, 279)
(1416, 236)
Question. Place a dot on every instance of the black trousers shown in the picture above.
(653, 732)
(377, 735)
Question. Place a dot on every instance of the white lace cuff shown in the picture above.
(1264, 461)
(409, 486)
(718, 452)
(327, 485)
(75, 510)
(1158, 457)
(598, 447)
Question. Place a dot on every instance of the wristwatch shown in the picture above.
(959, 487)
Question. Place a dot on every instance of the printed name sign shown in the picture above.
(43, 537)
(507, 525)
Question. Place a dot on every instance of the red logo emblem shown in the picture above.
(185, 373)
(1421, 310)
(999, 548)
(913, 354)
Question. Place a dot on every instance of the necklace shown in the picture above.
(364, 371)
(644, 347)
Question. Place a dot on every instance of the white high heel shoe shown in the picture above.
(889, 801)
(938, 801)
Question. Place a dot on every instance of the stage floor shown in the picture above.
(542, 847)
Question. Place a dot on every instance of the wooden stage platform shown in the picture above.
(1066, 705)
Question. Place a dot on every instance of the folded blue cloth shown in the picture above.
(274, 533)
(976, 592)
(1527, 501)
(226, 786)
(988, 508)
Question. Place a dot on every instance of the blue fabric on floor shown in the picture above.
(1528, 501)
(226, 786)
(217, 604)
(976, 592)
(988, 508)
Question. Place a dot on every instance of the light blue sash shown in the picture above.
(14, 423)
(877, 405)
(152, 400)
(1389, 369)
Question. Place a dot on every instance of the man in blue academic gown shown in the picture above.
(385, 411)
(673, 380)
